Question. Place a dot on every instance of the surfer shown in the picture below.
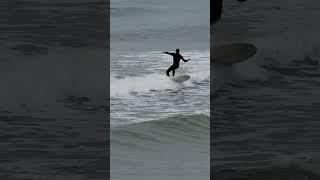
(216, 11)
(176, 60)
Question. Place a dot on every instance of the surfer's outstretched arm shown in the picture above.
(168, 53)
(184, 59)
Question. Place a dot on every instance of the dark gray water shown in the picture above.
(51, 64)
(266, 109)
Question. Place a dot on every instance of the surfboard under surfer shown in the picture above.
(176, 60)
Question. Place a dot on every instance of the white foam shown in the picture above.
(140, 84)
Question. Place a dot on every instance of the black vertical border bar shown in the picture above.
(212, 3)
(107, 99)
(211, 101)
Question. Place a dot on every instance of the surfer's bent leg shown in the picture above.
(170, 69)
(174, 68)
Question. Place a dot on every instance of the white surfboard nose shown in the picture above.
(180, 78)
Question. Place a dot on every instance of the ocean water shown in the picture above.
(265, 122)
(52, 92)
(159, 128)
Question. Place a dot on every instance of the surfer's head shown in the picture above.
(177, 51)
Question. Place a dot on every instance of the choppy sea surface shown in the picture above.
(266, 109)
(159, 128)
(52, 96)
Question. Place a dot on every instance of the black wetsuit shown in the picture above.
(176, 61)
(216, 10)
